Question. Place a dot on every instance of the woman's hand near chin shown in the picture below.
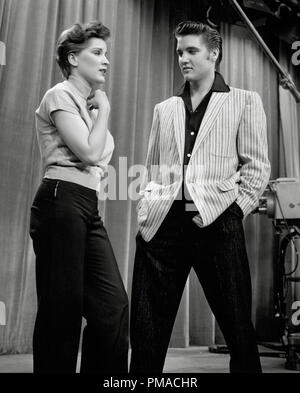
(98, 100)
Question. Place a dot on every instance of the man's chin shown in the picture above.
(188, 78)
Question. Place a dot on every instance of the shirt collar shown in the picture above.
(82, 87)
(219, 86)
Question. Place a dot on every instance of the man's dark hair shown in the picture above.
(212, 37)
(74, 39)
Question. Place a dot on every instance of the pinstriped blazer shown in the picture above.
(229, 161)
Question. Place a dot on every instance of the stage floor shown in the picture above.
(179, 360)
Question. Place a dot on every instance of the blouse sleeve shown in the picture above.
(59, 100)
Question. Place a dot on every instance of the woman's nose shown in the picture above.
(105, 60)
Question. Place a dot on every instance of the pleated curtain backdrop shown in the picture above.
(290, 120)
(141, 54)
(143, 71)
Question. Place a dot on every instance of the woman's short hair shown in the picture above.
(74, 39)
(211, 36)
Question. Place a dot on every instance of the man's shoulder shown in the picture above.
(237, 92)
(168, 103)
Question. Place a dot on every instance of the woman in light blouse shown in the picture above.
(76, 270)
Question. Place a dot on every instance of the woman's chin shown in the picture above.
(100, 80)
(97, 81)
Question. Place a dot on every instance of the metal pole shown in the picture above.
(287, 79)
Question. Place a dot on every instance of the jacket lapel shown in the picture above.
(179, 126)
(214, 106)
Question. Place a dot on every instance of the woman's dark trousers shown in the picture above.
(76, 275)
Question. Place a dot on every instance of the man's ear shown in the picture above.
(72, 58)
(214, 54)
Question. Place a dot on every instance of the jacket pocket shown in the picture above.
(227, 185)
(142, 209)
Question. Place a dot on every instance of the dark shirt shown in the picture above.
(194, 118)
(193, 121)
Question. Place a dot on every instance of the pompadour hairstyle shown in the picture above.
(211, 36)
(74, 39)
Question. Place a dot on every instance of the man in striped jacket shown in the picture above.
(207, 165)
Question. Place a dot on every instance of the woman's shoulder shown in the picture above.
(58, 97)
(60, 90)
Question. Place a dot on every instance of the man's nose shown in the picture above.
(184, 58)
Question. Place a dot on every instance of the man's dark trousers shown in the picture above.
(218, 255)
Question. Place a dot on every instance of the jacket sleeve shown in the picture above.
(253, 154)
(152, 172)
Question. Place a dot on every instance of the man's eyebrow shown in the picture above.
(188, 48)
